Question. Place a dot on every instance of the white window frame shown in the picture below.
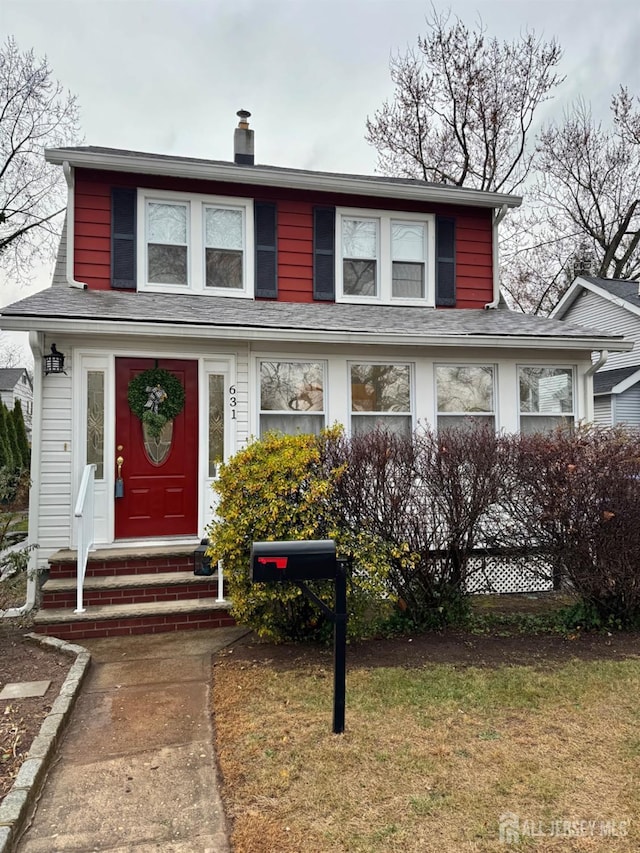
(373, 415)
(225, 366)
(384, 266)
(484, 414)
(573, 415)
(167, 286)
(196, 255)
(289, 412)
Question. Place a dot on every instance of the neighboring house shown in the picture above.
(612, 305)
(16, 384)
(281, 299)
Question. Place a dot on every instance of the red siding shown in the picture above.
(295, 251)
(474, 259)
(295, 231)
(92, 249)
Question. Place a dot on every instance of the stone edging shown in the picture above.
(16, 807)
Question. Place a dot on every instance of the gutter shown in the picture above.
(79, 326)
(588, 386)
(497, 219)
(69, 176)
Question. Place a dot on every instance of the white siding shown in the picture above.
(242, 388)
(602, 411)
(55, 479)
(598, 313)
(626, 407)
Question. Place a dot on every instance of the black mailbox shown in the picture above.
(308, 560)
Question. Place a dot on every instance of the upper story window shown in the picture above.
(465, 395)
(167, 243)
(385, 257)
(224, 247)
(546, 398)
(197, 244)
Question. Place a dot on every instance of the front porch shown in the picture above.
(130, 590)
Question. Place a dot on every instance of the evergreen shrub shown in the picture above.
(281, 488)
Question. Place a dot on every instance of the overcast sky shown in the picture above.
(168, 76)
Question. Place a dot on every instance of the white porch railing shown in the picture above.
(85, 515)
(220, 598)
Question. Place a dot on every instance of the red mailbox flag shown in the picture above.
(279, 562)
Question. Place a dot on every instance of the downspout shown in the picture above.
(588, 397)
(36, 341)
(69, 176)
(497, 219)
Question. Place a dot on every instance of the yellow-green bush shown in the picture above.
(281, 488)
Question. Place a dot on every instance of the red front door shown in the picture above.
(159, 489)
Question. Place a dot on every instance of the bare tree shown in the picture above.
(588, 184)
(35, 112)
(627, 121)
(11, 353)
(463, 107)
(539, 258)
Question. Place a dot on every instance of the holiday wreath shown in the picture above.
(155, 396)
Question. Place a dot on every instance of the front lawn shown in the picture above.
(444, 734)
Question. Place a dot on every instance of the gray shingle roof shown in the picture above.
(220, 311)
(285, 170)
(623, 289)
(605, 380)
(94, 157)
(9, 377)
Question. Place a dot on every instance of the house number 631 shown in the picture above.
(233, 402)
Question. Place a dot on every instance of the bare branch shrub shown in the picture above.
(577, 498)
(422, 500)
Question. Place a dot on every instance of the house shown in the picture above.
(613, 305)
(16, 384)
(268, 298)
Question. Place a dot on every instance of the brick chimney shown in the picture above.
(243, 140)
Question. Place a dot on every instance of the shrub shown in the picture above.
(279, 488)
(577, 498)
(410, 510)
(420, 501)
(14, 561)
(21, 434)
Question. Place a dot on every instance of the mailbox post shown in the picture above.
(311, 560)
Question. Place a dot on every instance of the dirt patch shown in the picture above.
(20, 719)
(459, 648)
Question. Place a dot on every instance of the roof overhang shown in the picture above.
(576, 289)
(206, 170)
(85, 326)
(622, 386)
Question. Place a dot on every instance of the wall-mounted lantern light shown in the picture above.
(54, 362)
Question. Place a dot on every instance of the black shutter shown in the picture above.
(324, 241)
(445, 261)
(123, 238)
(266, 254)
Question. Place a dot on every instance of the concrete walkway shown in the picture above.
(136, 769)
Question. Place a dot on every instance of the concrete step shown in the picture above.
(121, 561)
(116, 620)
(128, 589)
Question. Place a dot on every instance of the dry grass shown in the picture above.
(431, 757)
